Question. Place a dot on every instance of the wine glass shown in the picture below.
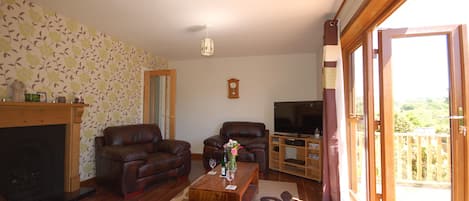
(212, 163)
(230, 174)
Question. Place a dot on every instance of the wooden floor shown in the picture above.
(163, 191)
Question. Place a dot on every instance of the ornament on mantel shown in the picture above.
(16, 91)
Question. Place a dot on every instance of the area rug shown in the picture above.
(266, 189)
(275, 188)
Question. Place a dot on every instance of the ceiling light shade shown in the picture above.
(206, 47)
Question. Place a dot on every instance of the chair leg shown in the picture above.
(263, 174)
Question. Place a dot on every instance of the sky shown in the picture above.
(419, 13)
(420, 67)
(420, 64)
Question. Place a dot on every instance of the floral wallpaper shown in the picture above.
(57, 55)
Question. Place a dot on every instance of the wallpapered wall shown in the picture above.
(59, 56)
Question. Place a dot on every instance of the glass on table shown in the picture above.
(230, 175)
(212, 163)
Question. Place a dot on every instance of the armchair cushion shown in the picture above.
(215, 141)
(146, 135)
(176, 147)
(237, 129)
(160, 162)
(244, 155)
(123, 153)
(252, 143)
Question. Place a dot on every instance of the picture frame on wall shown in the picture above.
(42, 96)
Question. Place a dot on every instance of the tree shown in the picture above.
(422, 113)
(402, 124)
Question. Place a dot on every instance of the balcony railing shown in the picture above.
(422, 159)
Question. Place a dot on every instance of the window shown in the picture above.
(375, 146)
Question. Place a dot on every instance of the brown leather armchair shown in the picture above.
(252, 136)
(132, 156)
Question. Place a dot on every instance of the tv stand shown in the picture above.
(295, 142)
(296, 155)
(303, 136)
(294, 135)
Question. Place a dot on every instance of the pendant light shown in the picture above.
(206, 46)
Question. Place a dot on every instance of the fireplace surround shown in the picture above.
(24, 114)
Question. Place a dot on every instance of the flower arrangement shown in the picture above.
(233, 146)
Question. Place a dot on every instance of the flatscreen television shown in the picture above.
(298, 117)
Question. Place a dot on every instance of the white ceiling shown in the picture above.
(174, 28)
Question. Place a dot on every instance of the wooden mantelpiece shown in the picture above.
(20, 114)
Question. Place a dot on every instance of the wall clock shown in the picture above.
(233, 88)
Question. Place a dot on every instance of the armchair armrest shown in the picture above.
(216, 141)
(267, 132)
(99, 142)
(176, 147)
(256, 143)
(122, 153)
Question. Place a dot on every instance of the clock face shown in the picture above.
(232, 85)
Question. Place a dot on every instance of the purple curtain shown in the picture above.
(330, 173)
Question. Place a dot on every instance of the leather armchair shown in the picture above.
(130, 157)
(252, 136)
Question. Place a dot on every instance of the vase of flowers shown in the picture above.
(232, 147)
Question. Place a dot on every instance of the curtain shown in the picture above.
(335, 164)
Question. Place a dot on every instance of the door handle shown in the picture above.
(456, 117)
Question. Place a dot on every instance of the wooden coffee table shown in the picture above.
(212, 187)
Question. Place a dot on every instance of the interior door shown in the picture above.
(159, 105)
(422, 107)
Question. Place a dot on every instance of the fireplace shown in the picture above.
(52, 116)
(33, 162)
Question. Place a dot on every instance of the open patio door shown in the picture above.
(423, 110)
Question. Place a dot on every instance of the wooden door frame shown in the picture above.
(465, 72)
(458, 141)
(368, 103)
(171, 73)
(369, 107)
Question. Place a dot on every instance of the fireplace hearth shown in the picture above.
(34, 162)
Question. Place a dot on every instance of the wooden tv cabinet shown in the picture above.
(300, 156)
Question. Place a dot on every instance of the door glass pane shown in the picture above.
(422, 160)
(159, 103)
(358, 150)
(155, 93)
